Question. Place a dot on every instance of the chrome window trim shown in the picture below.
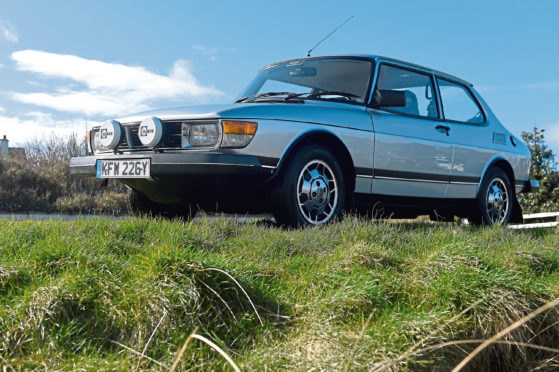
(370, 59)
(416, 70)
(472, 96)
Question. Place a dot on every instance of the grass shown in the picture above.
(354, 295)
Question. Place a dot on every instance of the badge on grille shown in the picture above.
(150, 131)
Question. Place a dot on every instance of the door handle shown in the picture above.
(441, 127)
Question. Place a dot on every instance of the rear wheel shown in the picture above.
(494, 202)
(311, 191)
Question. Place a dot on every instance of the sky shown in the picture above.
(67, 65)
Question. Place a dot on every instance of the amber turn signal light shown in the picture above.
(239, 127)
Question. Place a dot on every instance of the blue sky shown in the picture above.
(68, 64)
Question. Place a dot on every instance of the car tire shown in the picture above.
(311, 191)
(494, 202)
(140, 206)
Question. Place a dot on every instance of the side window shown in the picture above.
(458, 103)
(417, 87)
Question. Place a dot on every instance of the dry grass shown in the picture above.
(356, 295)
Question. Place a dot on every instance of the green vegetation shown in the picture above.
(43, 183)
(84, 294)
(544, 169)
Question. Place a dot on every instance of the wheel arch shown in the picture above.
(500, 162)
(331, 142)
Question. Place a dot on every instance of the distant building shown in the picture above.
(17, 153)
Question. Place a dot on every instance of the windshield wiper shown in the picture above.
(333, 93)
(291, 95)
(254, 97)
(267, 94)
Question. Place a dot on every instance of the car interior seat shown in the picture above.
(412, 107)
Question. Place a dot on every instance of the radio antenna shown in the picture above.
(327, 36)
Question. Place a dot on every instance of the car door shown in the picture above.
(474, 141)
(412, 152)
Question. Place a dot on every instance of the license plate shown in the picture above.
(139, 168)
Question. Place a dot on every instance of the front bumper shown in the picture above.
(179, 163)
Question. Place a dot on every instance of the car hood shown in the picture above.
(323, 112)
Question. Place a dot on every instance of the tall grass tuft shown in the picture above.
(356, 295)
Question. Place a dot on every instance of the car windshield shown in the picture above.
(339, 79)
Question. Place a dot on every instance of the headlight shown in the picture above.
(206, 134)
(93, 139)
(237, 133)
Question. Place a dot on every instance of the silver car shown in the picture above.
(311, 138)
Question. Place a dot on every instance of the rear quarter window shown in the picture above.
(458, 103)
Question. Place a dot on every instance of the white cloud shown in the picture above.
(2, 109)
(1, 65)
(112, 88)
(8, 32)
(37, 125)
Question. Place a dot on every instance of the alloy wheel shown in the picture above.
(317, 192)
(498, 202)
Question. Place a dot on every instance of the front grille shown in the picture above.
(129, 139)
(171, 137)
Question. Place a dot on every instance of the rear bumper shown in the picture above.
(183, 163)
(530, 185)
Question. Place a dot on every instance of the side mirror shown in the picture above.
(388, 98)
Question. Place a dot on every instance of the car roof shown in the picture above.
(376, 58)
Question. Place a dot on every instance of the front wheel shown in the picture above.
(312, 190)
(494, 202)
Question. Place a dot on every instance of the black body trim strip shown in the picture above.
(411, 175)
(468, 179)
(364, 171)
(424, 176)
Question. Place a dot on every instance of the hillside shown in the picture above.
(93, 294)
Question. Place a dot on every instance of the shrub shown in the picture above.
(544, 170)
(104, 203)
(23, 188)
(43, 182)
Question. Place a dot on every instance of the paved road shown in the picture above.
(72, 217)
